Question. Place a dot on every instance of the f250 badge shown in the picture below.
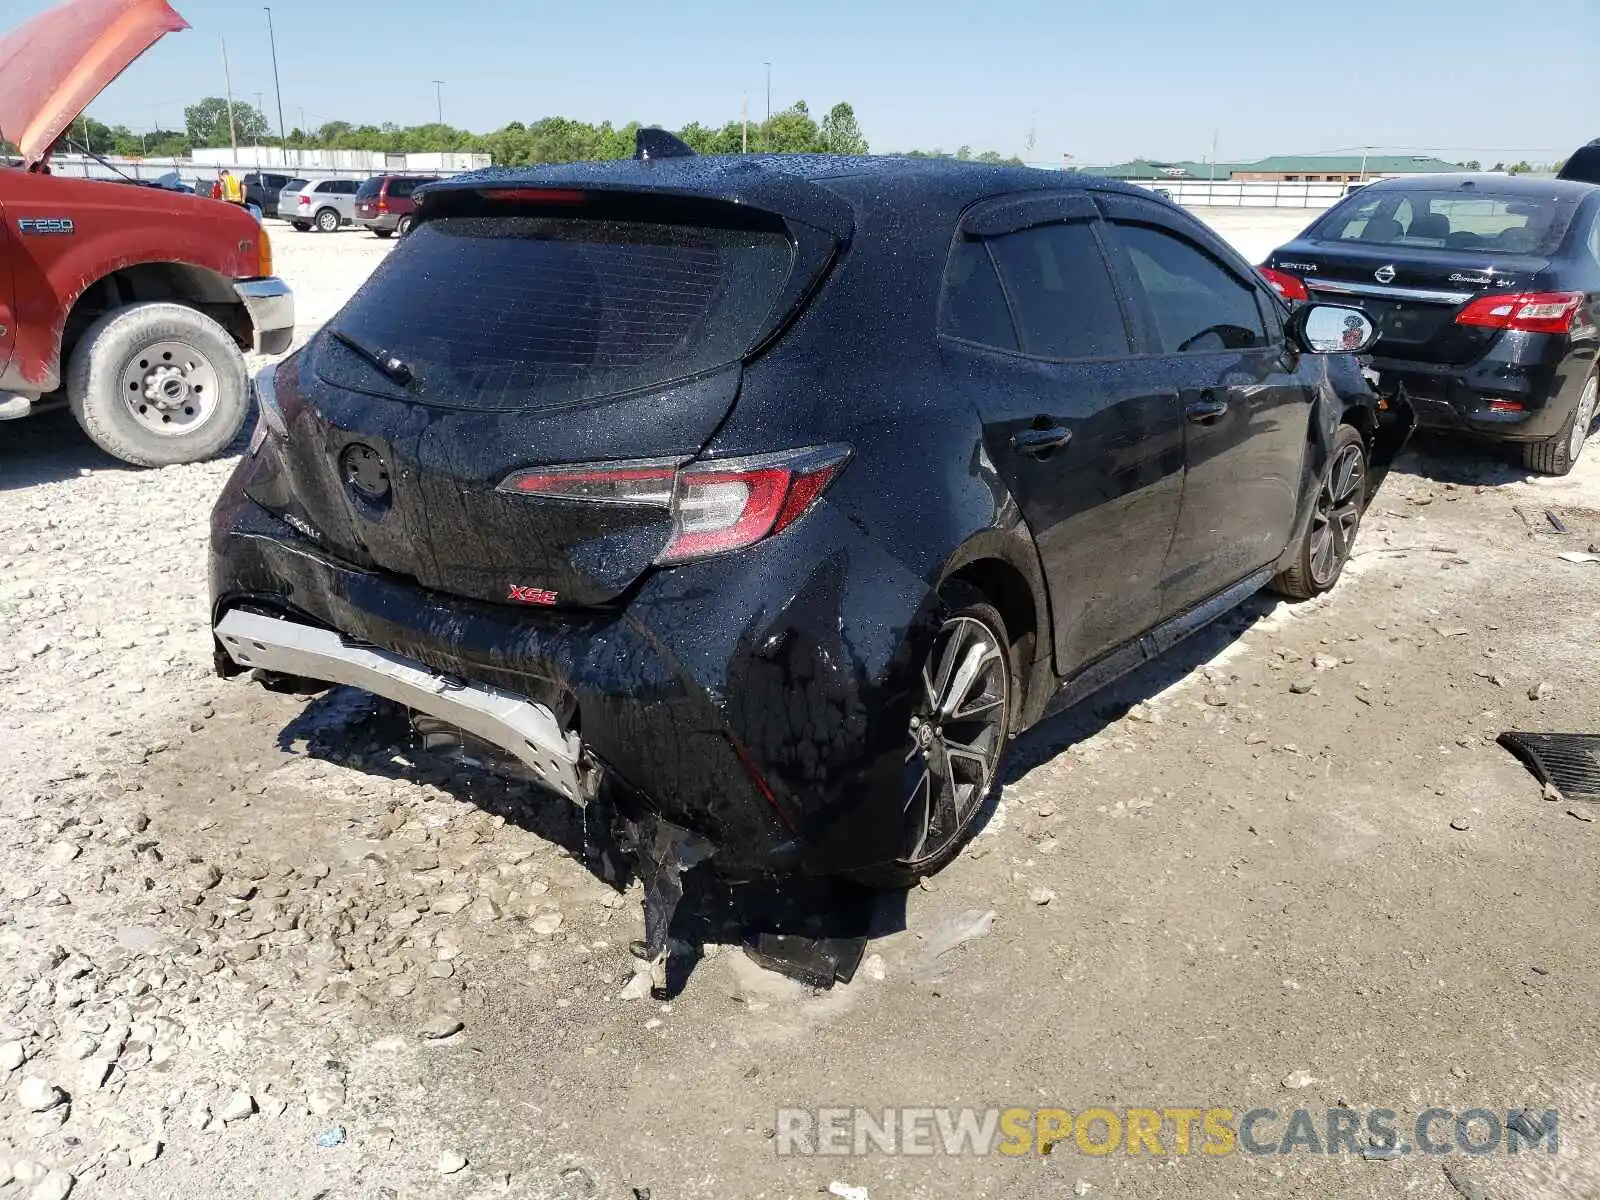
(54, 226)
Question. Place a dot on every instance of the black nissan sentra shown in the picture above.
(776, 494)
(1486, 293)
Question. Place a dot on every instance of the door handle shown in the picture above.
(1208, 409)
(1038, 443)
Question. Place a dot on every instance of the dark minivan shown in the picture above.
(778, 493)
(384, 204)
(1486, 293)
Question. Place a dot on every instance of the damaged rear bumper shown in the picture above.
(527, 731)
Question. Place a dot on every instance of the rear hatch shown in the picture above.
(523, 329)
(367, 196)
(1414, 258)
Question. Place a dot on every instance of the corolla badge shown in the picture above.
(364, 470)
(1384, 274)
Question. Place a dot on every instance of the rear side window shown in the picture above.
(1475, 220)
(401, 188)
(1060, 292)
(528, 311)
(974, 305)
(369, 188)
(1198, 304)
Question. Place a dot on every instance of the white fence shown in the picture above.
(1226, 193)
(199, 172)
(345, 162)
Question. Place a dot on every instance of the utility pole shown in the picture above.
(1364, 150)
(227, 78)
(769, 91)
(438, 95)
(744, 124)
(272, 37)
(1213, 156)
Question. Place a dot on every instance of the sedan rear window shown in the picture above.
(1456, 220)
(526, 311)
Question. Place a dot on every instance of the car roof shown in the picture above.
(1500, 185)
(870, 180)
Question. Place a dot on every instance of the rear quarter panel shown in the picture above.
(112, 226)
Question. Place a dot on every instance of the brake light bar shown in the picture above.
(536, 195)
(1526, 312)
(717, 505)
(1290, 287)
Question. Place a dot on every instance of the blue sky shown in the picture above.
(1102, 82)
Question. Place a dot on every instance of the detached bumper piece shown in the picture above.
(270, 304)
(526, 730)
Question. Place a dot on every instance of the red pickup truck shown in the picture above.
(134, 305)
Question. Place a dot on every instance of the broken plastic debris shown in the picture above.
(330, 1137)
(815, 962)
(846, 1192)
(664, 853)
(1577, 556)
(946, 936)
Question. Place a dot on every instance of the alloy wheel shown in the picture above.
(1338, 514)
(170, 388)
(957, 733)
(1584, 417)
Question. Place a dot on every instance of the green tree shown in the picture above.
(840, 132)
(1521, 168)
(791, 131)
(207, 123)
(1472, 164)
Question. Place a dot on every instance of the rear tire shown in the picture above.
(302, 226)
(383, 233)
(1559, 454)
(405, 226)
(158, 384)
(958, 737)
(1340, 502)
(328, 220)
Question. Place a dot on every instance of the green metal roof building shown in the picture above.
(1315, 168)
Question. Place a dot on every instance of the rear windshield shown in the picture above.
(1457, 220)
(369, 188)
(511, 312)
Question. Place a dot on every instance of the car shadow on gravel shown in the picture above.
(347, 727)
(1048, 739)
(46, 449)
(1441, 458)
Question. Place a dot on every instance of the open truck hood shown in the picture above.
(52, 67)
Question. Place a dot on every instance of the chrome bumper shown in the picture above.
(270, 304)
(527, 731)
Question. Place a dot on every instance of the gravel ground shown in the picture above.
(260, 945)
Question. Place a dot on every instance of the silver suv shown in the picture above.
(323, 205)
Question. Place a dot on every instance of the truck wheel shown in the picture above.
(156, 384)
(328, 220)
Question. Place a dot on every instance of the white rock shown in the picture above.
(57, 1185)
(37, 1095)
(12, 1055)
(441, 1026)
(449, 903)
(451, 1161)
(62, 853)
(144, 1153)
(199, 1116)
(237, 1107)
(845, 1192)
(873, 968)
(28, 1171)
(638, 987)
(546, 924)
(1296, 1080)
(1041, 896)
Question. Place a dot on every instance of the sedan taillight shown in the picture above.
(1527, 312)
(716, 505)
(1291, 287)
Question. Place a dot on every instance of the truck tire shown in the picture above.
(157, 384)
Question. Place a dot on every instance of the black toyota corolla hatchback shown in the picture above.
(777, 494)
(1486, 293)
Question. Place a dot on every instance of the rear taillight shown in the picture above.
(1527, 312)
(716, 506)
(305, 201)
(383, 204)
(1290, 287)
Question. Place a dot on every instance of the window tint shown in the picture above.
(1060, 292)
(1198, 304)
(402, 188)
(369, 188)
(974, 306)
(514, 312)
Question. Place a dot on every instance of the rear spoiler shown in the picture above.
(1584, 165)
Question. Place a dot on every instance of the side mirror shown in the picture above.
(1331, 329)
